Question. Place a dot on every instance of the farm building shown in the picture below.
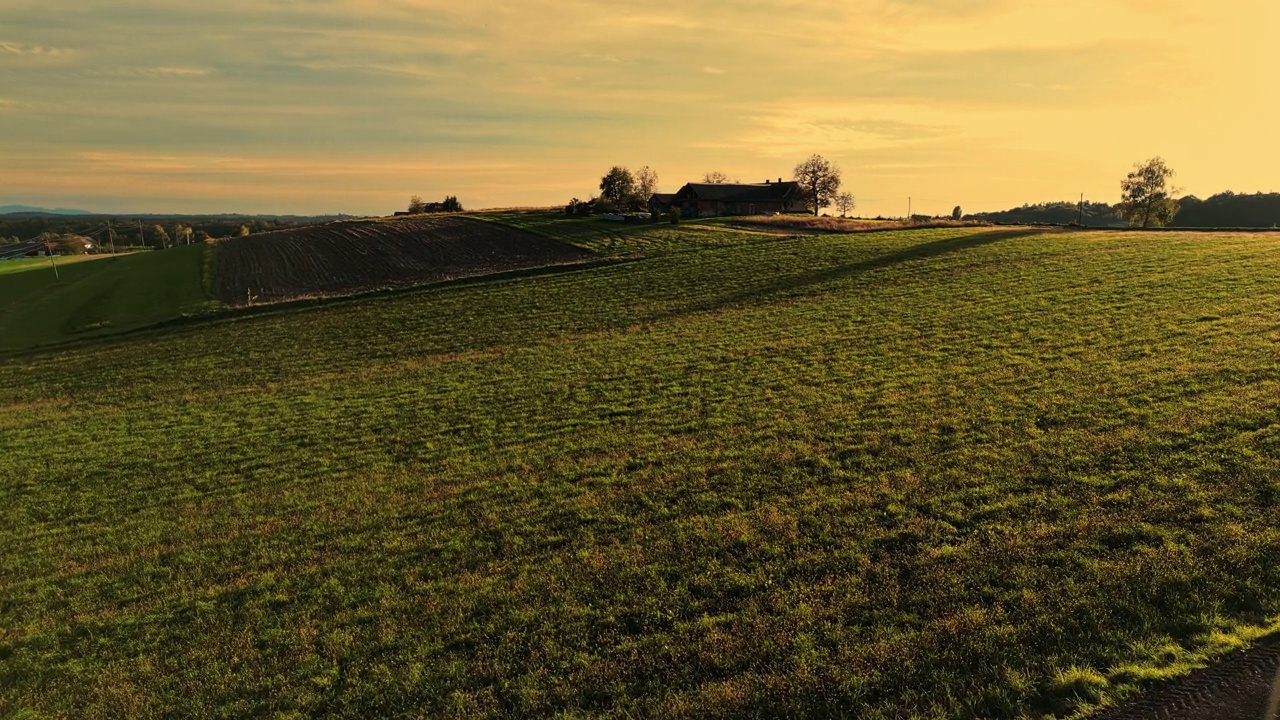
(661, 202)
(709, 200)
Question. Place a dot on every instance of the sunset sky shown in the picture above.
(326, 106)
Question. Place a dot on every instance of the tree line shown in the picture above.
(146, 230)
(1225, 209)
(417, 206)
(1149, 199)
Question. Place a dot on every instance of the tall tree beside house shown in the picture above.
(957, 213)
(646, 185)
(451, 204)
(618, 186)
(416, 205)
(819, 180)
(715, 177)
(1146, 198)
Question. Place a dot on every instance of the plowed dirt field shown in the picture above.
(349, 257)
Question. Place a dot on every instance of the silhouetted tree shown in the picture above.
(1146, 199)
(618, 186)
(646, 185)
(715, 177)
(845, 203)
(957, 213)
(819, 179)
(416, 205)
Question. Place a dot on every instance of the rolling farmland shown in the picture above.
(953, 473)
(95, 296)
(347, 257)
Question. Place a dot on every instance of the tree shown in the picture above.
(618, 186)
(819, 180)
(957, 214)
(715, 177)
(1146, 198)
(162, 236)
(646, 185)
(451, 204)
(243, 231)
(416, 205)
(845, 203)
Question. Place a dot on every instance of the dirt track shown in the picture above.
(347, 257)
(1238, 688)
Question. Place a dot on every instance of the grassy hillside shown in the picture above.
(622, 239)
(96, 295)
(953, 473)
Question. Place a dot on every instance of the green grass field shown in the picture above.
(97, 295)
(936, 474)
(624, 239)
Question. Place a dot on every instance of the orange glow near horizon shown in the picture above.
(352, 106)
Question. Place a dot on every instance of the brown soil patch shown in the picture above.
(346, 257)
(1237, 688)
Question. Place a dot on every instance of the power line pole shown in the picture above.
(908, 208)
(48, 247)
(1080, 220)
(111, 235)
(141, 237)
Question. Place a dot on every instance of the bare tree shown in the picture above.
(819, 179)
(845, 203)
(416, 205)
(646, 184)
(715, 177)
(1146, 198)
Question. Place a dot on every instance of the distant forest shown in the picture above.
(1228, 209)
(30, 226)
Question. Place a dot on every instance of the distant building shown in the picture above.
(767, 198)
(661, 202)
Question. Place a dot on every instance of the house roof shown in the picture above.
(732, 192)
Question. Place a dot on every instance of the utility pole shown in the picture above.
(48, 247)
(908, 209)
(141, 237)
(111, 235)
(1080, 221)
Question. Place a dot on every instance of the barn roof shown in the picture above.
(734, 192)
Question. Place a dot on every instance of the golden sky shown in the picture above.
(325, 106)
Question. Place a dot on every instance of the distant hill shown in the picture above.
(29, 210)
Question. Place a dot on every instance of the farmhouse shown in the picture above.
(709, 200)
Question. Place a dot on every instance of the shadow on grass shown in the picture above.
(796, 285)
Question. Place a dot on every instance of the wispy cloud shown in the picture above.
(520, 103)
(14, 48)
